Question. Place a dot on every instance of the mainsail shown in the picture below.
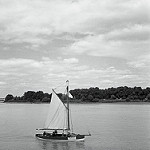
(57, 116)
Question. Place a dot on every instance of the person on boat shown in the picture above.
(44, 133)
(55, 133)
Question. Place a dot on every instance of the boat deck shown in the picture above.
(60, 137)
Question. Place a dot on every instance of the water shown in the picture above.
(113, 127)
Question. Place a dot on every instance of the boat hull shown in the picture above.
(60, 137)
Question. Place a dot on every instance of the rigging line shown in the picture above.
(60, 85)
(65, 91)
(58, 121)
(54, 117)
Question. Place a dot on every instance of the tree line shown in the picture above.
(29, 96)
(119, 94)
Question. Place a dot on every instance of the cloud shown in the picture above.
(71, 60)
(142, 63)
(2, 83)
(39, 21)
(28, 74)
(67, 31)
(99, 46)
(132, 34)
(18, 67)
(18, 75)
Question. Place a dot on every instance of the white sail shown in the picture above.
(57, 116)
(70, 95)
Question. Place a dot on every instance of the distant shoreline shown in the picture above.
(82, 102)
(91, 95)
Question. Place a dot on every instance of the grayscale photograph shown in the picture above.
(74, 75)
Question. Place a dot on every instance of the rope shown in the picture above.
(60, 85)
(55, 116)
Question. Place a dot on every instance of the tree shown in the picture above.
(9, 97)
(39, 95)
(113, 97)
(127, 99)
(95, 100)
(148, 97)
(46, 99)
(90, 97)
(29, 96)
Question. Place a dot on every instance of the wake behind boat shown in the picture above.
(57, 126)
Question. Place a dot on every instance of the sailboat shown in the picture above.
(58, 124)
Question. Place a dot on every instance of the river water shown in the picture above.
(113, 127)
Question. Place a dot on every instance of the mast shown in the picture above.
(68, 119)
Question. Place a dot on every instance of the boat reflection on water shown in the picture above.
(45, 145)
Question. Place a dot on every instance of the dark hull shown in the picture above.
(60, 137)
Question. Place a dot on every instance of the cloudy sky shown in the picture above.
(93, 43)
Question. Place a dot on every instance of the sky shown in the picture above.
(91, 43)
